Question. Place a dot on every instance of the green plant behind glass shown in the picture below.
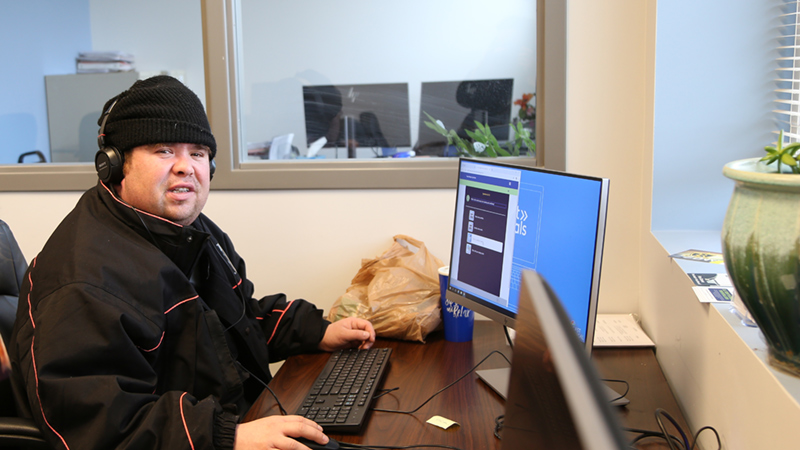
(783, 155)
(483, 142)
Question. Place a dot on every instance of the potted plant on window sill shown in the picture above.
(761, 246)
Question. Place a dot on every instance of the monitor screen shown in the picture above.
(372, 115)
(458, 104)
(509, 218)
(555, 397)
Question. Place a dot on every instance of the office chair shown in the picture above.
(39, 155)
(489, 102)
(372, 130)
(15, 432)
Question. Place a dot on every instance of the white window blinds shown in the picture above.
(788, 80)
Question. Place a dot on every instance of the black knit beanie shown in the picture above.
(157, 110)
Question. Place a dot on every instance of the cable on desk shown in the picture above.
(621, 396)
(508, 337)
(349, 446)
(697, 435)
(444, 388)
(644, 434)
(660, 412)
(385, 391)
(673, 441)
(280, 405)
(499, 421)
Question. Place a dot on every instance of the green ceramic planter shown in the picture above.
(760, 244)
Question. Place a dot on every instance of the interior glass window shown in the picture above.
(352, 79)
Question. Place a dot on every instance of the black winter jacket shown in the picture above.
(135, 332)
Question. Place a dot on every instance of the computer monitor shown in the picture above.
(458, 104)
(509, 218)
(371, 115)
(556, 399)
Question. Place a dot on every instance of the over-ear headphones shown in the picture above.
(108, 160)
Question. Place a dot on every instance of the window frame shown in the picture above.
(219, 41)
(220, 45)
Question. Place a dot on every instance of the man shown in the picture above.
(137, 326)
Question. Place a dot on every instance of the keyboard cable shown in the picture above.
(444, 388)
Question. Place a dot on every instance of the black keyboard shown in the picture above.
(342, 394)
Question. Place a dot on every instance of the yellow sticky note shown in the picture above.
(441, 422)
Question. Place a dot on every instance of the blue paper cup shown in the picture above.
(458, 320)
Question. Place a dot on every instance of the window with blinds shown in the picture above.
(788, 80)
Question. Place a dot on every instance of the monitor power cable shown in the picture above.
(508, 337)
(674, 442)
(622, 395)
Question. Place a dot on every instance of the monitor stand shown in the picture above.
(497, 379)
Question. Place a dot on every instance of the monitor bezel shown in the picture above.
(507, 318)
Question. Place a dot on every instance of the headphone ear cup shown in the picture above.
(212, 167)
(108, 163)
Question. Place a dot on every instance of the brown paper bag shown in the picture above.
(398, 292)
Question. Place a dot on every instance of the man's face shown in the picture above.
(168, 180)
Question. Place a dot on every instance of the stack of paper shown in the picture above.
(619, 330)
(102, 62)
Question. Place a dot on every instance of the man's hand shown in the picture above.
(277, 432)
(348, 333)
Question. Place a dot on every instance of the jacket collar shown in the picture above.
(182, 244)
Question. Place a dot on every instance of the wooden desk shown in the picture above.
(419, 370)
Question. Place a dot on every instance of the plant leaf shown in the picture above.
(792, 148)
(769, 159)
(435, 127)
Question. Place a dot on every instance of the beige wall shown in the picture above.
(307, 244)
(609, 129)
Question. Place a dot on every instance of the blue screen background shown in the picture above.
(566, 237)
